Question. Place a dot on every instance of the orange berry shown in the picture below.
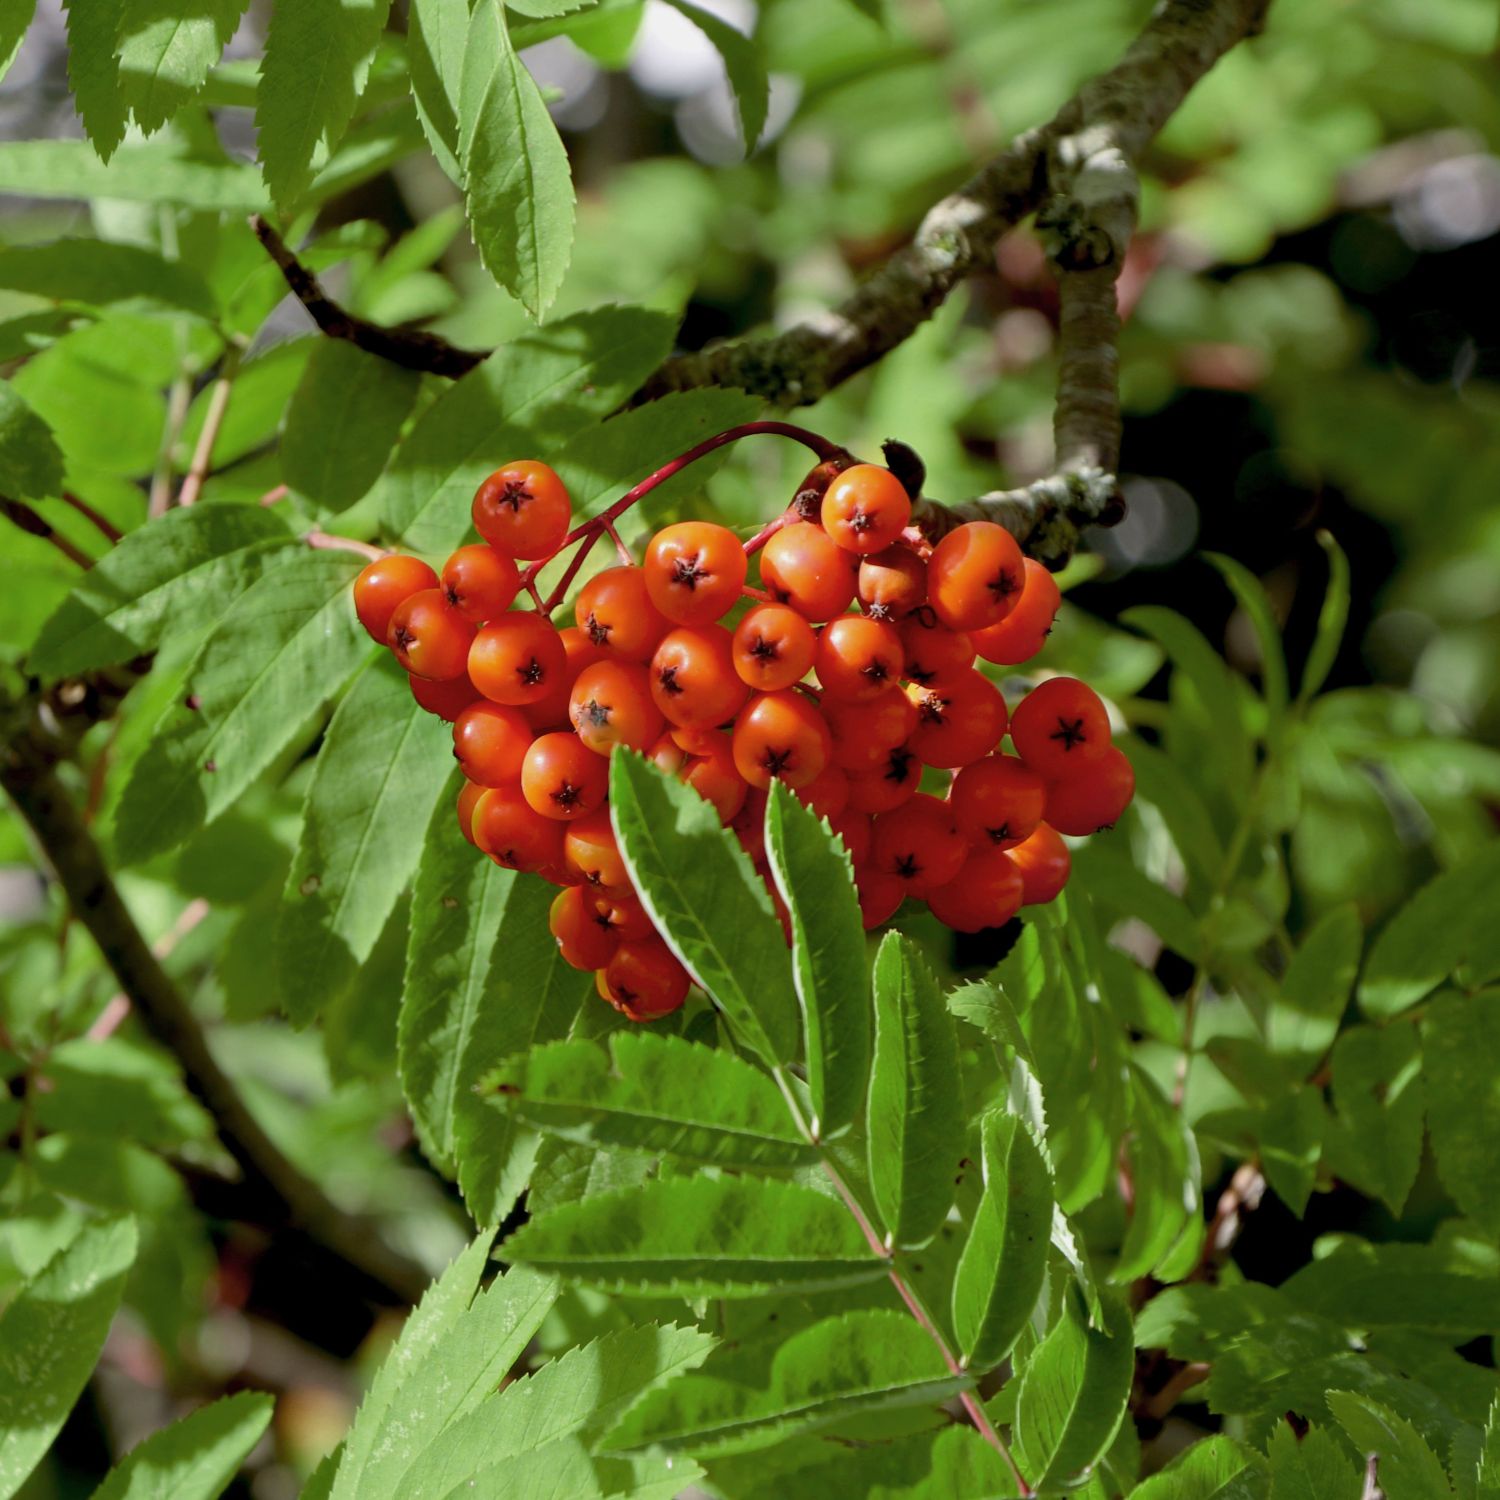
(997, 801)
(385, 583)
(1044, 863)
(693, 681)
(445, 699)
(668, 755)
(749, 826)
(892, 583)
(781, 736)
(1023, 632)
(480, 582)
(855, 828)
(429, 637)
(975, 576)
(696, 741)
(933, 652)
(803, 566)
(865, 508)
(562, 778)
(614, 610)
(827, 793)
(715, 778)
(774, 647)
(1092, 797)
(591, 853)
(468, 800)
(523, 509)
(551, 712)
(879, 896)
(1059, 726)
(986, 892)
(644, 981)
(514, 834)
(695, 571)
(490, 743)
(624, 916)
(518, 659)
(611, 705)
(858, 658)
(583, 940)
(893, 782)
(958, 719)
(864, 732)
(918, 844)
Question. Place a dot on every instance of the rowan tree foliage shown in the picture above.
(327, 1171)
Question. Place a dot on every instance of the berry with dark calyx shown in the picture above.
(781, 736)
(518, 659)
(1059, 725)
(803, 566)
(918, 844)
(385, 583)
(864, 732)
(611, 705)
(552, 711)
(429, 637)
(933, 652)
(490, 743)
(807, 502)
(644, 981)
(1023, 632)
(865, 509)
(774, 647)
(468, 800)
(694, 571)
(997, 801)
(480, 582)
(892, 583)
(958, 720)
(975, 576)
(624, 916)
(445, 699)
(986, 892)
(591, 853)
(858, 658)
(1044, 863)
(1093, 797)
(562, 778)
(894, 781)
(523, 509)
(614, 610)
(514, 834)
(692, 676)
(583, 940)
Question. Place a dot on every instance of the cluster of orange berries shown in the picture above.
(848, 709)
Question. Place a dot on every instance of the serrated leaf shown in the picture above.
(707, 901)
(1333, 619)
(15, 17)
(435, 36)
(1314, 991)
(1409, 1469)
(701, 1237)
(383, 764)
(815, 876)
(1313, 1467)
(342, 423)
(1004, 1260)
(651, 1093)
(914, 1114)
(1460, 1042)
(165, 55)
(94, 70)
(1290, 1128)
(317, 57)
(1431, 936)
(1487, 1476)
(97, 273)
(178, 574)
(1378, 1097)
(743, 64)
(151, 172)
(1165, 1176)
(530, 396)
(50, 1336)
(31, 464)
(518, 186)
(193, 1459)
(1217, 1468)
(837, 1369)
(1073, 1391)
(282, 650)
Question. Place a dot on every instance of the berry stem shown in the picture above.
(764, 535)
(622, 551)
(107, 529)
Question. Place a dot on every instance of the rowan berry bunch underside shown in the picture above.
(847, 671)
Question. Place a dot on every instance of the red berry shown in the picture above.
(865, 508)
(552, 711)
(523, 509)
(858, 658)
(614, 610)
(445, 699)
(997, 801)
(804, 567)
(624, 916)
(490, 743)
(827, 794)
(774, 647)
(918, 844)
(894, 781)
(892, 583)
(986, 892)
(693, 680)
(1059, 726)
(975, 576)
(855, 828)
(517, 659)
(591, 853)
(429, 637)
(695, 571)
(611, 705)
(1044, 863)
(385, 583)
(1093, 796)
(712, 774)
(562, 778)
(584, 941)
(1023, 632)
(514, 834)
(643, 980)
(480, 582)
(958, 719)
(863, 733)
(781, 736)
(879, 896)
(933, 652)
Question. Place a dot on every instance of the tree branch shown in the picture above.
(27, 774)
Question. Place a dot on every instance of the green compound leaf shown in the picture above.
(915, 1114)
(1218, 1468)
(1004, 1261)
(1313, 1467)
(701, 1237)
(166, 55)
(839, 1368)
(815, 876)
(194, 1459)
(383, 764)
(1408, 1467)
(50, 1338)
(652, 1093)
(707, 901)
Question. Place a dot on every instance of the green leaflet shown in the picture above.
(856, 1362)
(914, 1114)
(1304, 1015)
(518, 186)
(100, 274)
(742, 62)
(281, 652)
(193, 1459)
(342, 422)
(318, 55)
(31, 464)
(1165, 1170)
(94, 71)
(1487, 1476)
(178, 574)
(435, 35)
(1314, 1467)
(1252, 597)
(1408, 1467)
(1218, 1468)
(165, 55)
(530, 396)
(1333, 617)
(15, 17)
(1004, 1260)
(1460, 1042)
(816, 879)
(1378, 1096)
(701, 1237)
(651, 1093)
(707, 901)
(1073, 1391)
(50, 1337)
(382, 766)
(149, 172)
